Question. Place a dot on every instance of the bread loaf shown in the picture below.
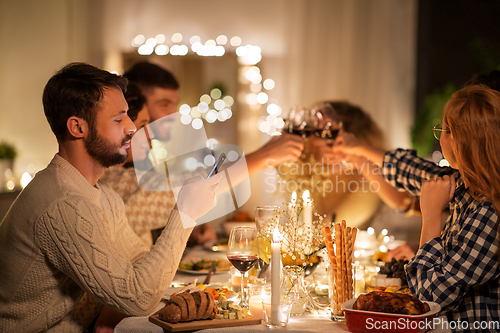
(201, 301)
(191, 306)
(170, 313)
(181, 303)
(187, 306)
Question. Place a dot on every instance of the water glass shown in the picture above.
(276, 316)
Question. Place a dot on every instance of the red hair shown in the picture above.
(472, 116)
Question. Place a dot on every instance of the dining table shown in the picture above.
(307, 322)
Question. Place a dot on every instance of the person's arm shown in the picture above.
(349, 150)
(281, 148)
(347, 144)
(373, 173)
(436, 194)
(444, 275)
(108, 264)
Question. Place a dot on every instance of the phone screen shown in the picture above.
(217, 165)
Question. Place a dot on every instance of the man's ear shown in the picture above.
(77, 127)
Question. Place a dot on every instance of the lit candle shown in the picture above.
(308, 213)
(275, 275)
(255, 304)
(291, 207)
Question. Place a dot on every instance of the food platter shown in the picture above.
(360, 321)
(203, 324)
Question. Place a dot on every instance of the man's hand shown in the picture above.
(197, 196)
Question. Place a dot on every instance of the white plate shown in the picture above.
(202, 272)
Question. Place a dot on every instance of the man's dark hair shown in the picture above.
(75, 90)
(147, 75)
(135, 100)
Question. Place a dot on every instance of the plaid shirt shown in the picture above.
(459, 270)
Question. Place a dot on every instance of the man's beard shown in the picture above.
(103, 151)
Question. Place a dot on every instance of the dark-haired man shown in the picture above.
(67, 249)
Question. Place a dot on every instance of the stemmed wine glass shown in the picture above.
(242, 253)
(329, 123)
(302, 121)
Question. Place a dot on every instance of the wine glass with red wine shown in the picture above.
(302, 121)
(329, 123)
(243, 254)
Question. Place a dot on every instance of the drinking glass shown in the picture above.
(242, 253)
(328, 124)
(302, 121)
(264, 215)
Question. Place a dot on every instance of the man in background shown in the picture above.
(161, 90)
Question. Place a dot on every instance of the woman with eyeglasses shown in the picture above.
(457, 265)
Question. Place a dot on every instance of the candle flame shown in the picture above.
(306, 196)
(294, 197)
(276, 235)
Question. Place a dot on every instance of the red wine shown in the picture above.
(242, 262)
(327, 134)
(303, 132)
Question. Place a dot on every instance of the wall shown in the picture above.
(358, 50)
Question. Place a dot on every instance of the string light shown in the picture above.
(248, 56)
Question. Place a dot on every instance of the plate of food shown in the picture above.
(199, 266)
(388, 312)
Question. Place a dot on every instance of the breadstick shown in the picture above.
(352, 239)
(345, 268)
(333, 264)
(339, 280)
(349, 263)
(329, 245)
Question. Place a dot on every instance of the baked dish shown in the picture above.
(381, 301)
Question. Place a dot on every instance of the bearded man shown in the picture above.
(67, 249)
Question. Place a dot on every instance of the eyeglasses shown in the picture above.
(438, 129)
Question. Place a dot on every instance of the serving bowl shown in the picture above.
(360, 321)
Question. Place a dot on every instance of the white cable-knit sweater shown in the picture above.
(66, 249)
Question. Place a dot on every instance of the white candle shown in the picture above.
(307, 213)
(291, 207)
(275, 275)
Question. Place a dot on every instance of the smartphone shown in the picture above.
(217, 165)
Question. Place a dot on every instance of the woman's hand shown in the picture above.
(282, 148)
(435, 196)
(405, 252)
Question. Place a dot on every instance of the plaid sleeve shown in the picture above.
(404, 170)
(444, 277)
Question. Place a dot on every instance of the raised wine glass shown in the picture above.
(242, 253)
(302, 121)
(329, 123)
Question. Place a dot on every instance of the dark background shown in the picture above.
(456, 39)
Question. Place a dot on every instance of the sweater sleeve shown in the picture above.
(445, 276)
(78, 241)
